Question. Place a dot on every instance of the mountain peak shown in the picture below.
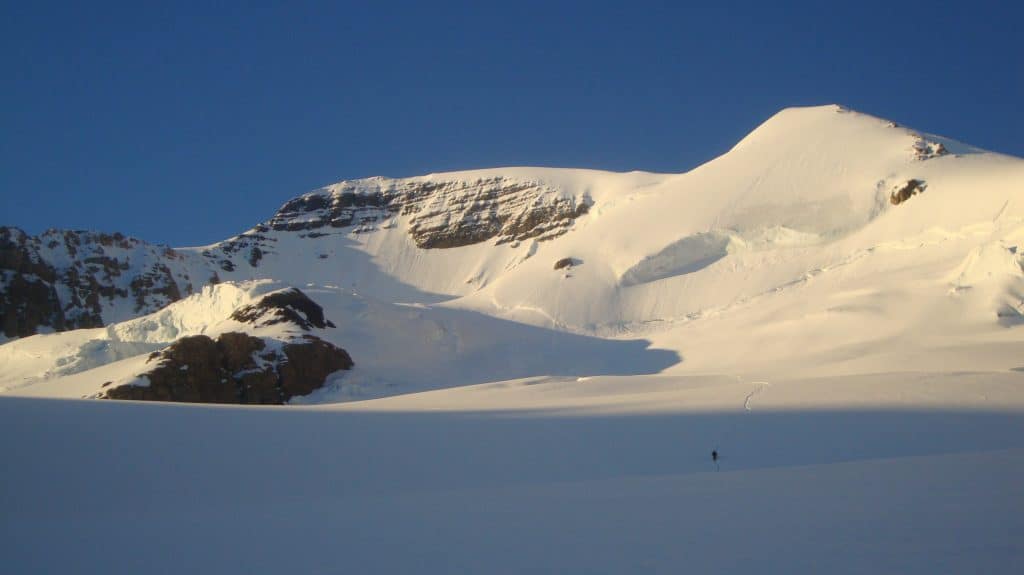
(795, 123)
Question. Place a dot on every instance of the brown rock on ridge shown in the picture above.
(286, 306)
(309, 363)
(904, 191)
(235, 368)
(567, 263)
(443, 214)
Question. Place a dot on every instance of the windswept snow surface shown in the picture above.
(857, 363)
(909, 473)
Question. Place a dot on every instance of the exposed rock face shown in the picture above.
(925, 149)
(904, 191)
(250, 246)
(27, 295)
(26, 303)
(567, 263)
(235, 368)
(308, 364)
(286, 306)
(442, 214)
(75, 279)
(240, 367)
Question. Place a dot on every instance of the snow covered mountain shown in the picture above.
(525, 370)
(825, 241)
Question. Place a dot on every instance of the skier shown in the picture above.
(714, 457)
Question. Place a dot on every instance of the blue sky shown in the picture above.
(184, 123)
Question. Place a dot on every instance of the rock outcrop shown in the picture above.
(235, 368)
(442, 214)
(28, 298)
(262, 367)
(925, 149)
(308, 364)
(76, 279)
(906, 190)
(567, 263)
(285, 306)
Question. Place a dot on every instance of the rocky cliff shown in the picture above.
(436, 213)
(62, 280)
(441, 213)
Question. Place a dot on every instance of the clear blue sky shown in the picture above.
(187, 122)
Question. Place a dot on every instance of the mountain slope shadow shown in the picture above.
(685, 256)
(405, 348)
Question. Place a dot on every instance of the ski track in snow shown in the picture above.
(761, 386)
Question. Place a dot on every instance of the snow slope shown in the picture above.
(401, 347)
(863, 474)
